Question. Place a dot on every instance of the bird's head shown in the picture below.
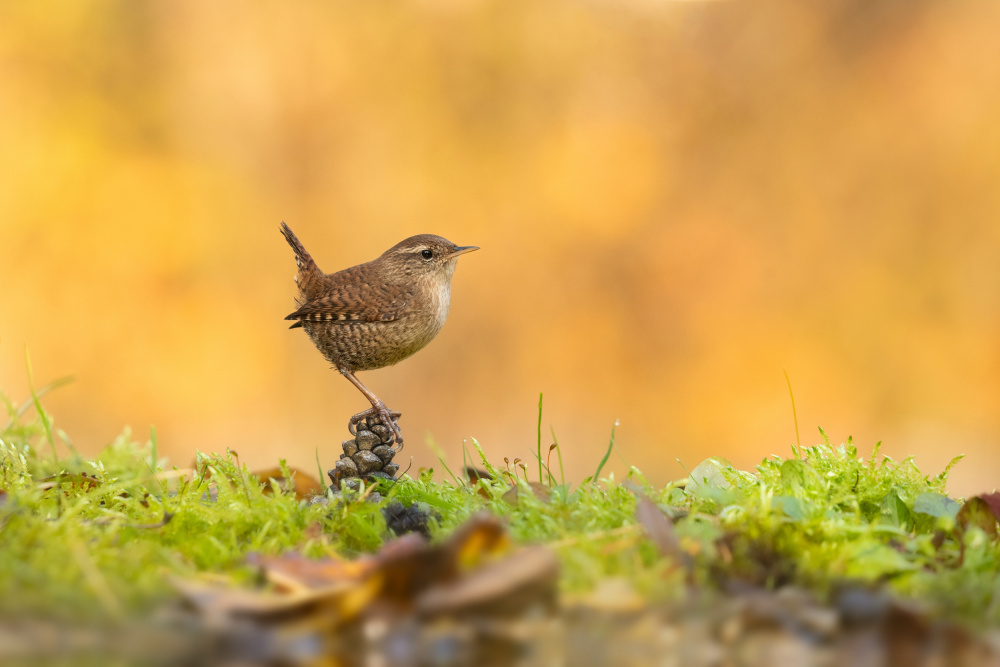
(425, 255)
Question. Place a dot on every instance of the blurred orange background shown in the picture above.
(675, 202)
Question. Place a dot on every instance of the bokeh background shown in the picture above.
(675, 202)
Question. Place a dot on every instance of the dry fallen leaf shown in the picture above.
(660, 530)
(470, 572)
(338, 603)
(540, 491)
(302, 483)
(482, 536)
(294, 571)
(982, 512)
(505, 586)
(408, 565)
(992, 501)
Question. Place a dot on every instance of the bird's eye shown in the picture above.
(427, 254)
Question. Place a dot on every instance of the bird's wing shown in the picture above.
(363, 303)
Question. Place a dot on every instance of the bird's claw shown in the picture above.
(385, 415)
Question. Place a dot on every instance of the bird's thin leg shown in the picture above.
(378, 407)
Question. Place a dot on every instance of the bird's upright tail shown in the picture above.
(309, 277)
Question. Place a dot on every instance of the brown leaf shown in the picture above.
(992, 501)
(482, 492)
(294, 572)
(539, 490)
(475, 474)
(483, 535)
(341, 602)
(408, 565)
(504, 586)
(399, 574)
(405, 566)
(659, 528)
(977, 511)
(302, 483)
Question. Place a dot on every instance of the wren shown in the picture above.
(378, 313)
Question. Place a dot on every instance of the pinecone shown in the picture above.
(368, 454)
(401, 519)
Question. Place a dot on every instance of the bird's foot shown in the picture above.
(385, 415)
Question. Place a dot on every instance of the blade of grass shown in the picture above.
(606, 454)
(10, 408)
(539, 437)
(152, 441)
(46, 424)
(155, 456)
(55, 384)
(465, 463)
(681, 464)
(69, 444)
(795, 416)
(562, 473)
(547, 472)
(319, 469)
(439, 453)
(490, 468)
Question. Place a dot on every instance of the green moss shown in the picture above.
(101, 538)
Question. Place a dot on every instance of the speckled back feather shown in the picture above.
(353, 295)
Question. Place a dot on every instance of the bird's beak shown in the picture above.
(461, 250)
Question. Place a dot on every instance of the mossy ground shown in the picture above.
(100, 538)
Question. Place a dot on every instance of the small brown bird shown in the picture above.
(376, 314)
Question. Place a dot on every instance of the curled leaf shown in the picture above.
(980, 512)
(659, 529)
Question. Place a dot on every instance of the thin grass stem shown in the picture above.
(539, 436)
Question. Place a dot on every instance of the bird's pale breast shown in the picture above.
(364, 346)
